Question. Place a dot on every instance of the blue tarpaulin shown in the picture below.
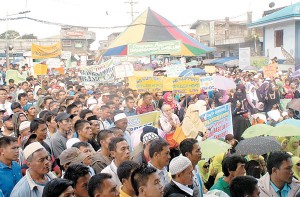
(223, 60)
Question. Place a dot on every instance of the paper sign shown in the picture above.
(207, 83)
(218, 121)
(186, 85)
(149, 84)
(123, 70)
(270, 70)
(175, 70)
(15, 75)
(40, 69)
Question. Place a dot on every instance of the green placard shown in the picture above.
(154, 48)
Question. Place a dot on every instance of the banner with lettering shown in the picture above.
(123, 70)
(42, 52)
(270, 70)
(174, 70)
(104, 76)
(149, 84)
(207, 83)
(218, 121)
(152, 48)
(186, 85)
(15, 75)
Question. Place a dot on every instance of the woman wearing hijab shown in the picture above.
(272, 98)
(17, 118)
(252, 100)
(240, 124)
(296, 167)
(262, 91)
(185, 104)
(218, 99)
(237, 96)
(283, 142)
(207, 179)
(293, 146)
(191, 124)
(169, 99)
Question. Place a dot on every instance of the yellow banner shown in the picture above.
(141, 120)
(41, 52)
(186, 85)
(40, 69)
(149, 84)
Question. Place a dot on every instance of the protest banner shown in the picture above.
(15, 75)
(270, 70)
(88, 76)
(174, 70)
(210, 69)
(207, 83)
(123, 70)
(152, 48)
(218, 121)
(138, 122)
(186, 85)
(42, 52)
(149, 84)
(40, 69)
(283, 103)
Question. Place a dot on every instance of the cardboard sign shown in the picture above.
(186, 85)
(149, 84)
(270, 70)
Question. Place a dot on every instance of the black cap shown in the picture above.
(62, 116)
(94, 117)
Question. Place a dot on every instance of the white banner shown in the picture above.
(124, 70)
(244, 57)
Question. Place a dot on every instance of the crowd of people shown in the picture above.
(62, 138)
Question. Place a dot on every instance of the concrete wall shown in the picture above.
(288, 39)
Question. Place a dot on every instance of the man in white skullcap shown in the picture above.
(121, 122)
(37, 175)
(143, 157)
(181, 170)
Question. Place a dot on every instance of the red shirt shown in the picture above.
(144, 109)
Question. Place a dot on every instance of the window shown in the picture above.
(66, 43)
(278, 35)
(78, 44)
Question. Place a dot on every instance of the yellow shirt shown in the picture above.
(123, 194)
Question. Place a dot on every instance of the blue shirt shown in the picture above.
(9, 177)
(284, 192)
(128, 112)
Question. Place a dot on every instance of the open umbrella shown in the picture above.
(285, 130)
(224, 83)
(294, 104)
(257, 130)
(192, 72)
(293, 122)
(257, 145)
(212, 147)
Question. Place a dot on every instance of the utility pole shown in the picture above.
(132, 12)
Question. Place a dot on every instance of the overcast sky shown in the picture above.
(114, 13)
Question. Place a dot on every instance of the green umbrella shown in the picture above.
(212, 147)
(257, 130)
(285, 130)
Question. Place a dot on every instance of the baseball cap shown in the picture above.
(25, 140)
(71, 155)
(6, 118)
(62, 116)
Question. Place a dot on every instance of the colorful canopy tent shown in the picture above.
(152, 27)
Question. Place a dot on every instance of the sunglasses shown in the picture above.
(205, 166)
